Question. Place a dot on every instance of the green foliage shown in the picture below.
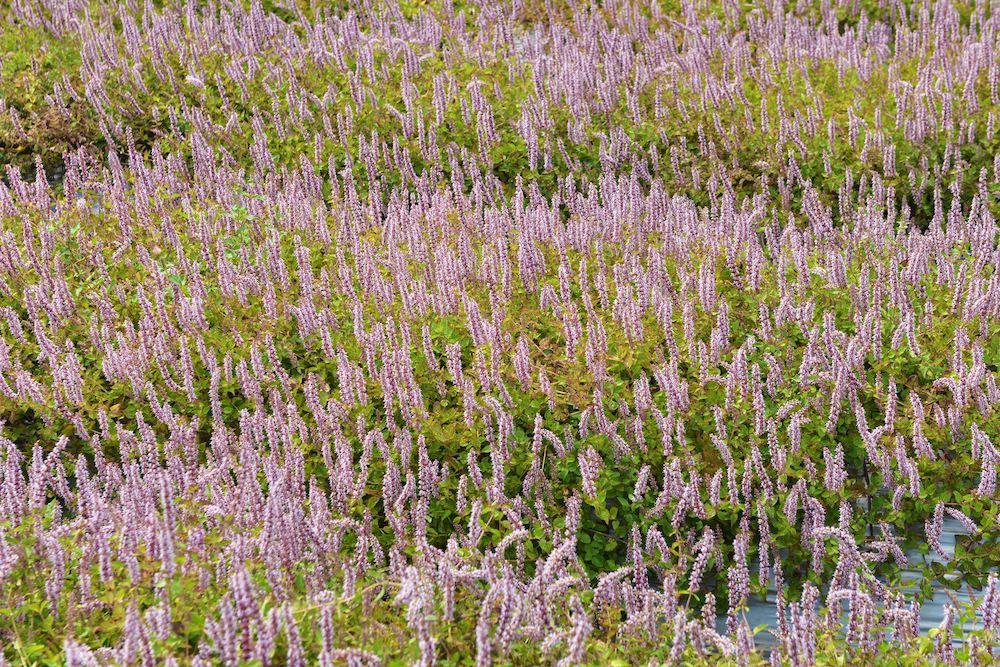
(35, 61)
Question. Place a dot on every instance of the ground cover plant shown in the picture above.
(507, 332)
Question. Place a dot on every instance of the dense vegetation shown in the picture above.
(497, 333)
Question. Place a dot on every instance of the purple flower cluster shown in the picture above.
(385, 362)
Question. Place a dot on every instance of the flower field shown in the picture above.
(499, 332)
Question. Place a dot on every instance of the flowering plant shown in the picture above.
(499, 333)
